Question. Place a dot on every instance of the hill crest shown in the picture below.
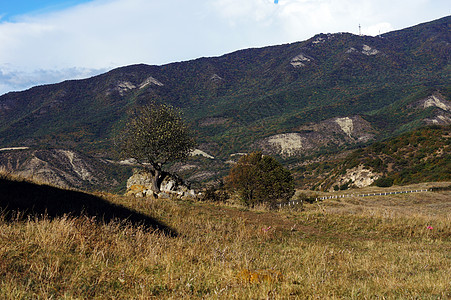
(238, 102)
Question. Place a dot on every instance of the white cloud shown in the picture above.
(103, 34)
(238, 10)
(13, 79)
(377, 29)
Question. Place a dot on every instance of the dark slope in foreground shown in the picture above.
(42, 200)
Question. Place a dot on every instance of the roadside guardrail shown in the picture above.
(296, 202)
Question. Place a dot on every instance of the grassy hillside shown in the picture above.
(390, 247)
(418, 156)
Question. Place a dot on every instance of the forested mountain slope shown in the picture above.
(328, 93)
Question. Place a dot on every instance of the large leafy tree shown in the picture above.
(259, 178)
(154, 135)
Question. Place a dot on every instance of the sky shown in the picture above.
(48, 41)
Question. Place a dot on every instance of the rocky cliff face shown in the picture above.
(63, 168)
(357, 177)
(440, 105)
(311, 137)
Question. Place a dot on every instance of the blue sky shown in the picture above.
(9, 9)
(48, 41)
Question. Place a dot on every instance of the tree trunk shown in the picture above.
(156, 180)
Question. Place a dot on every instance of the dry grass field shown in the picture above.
(390, 247)
(421, 205)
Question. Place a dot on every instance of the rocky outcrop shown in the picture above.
(439, 119)
(198, 152)
(367, 50)
(312, 137)
(440, 106)
(288, 144)
(436, 100)
(300, 60)
(359, 177)
(59, 167)
(140, 185)
(122, 87)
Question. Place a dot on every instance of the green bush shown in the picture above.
(384, 182)
(258, 178)
(344, 187)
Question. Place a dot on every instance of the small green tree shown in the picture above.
(260, 179)
(154, 135)
(384, 182)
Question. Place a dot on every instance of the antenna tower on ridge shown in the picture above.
(360, 30)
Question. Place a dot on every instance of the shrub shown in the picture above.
(384, 182)
(344, 186)
(260, 179)
(215, 194)
(303, 197)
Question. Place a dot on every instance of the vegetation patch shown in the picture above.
(419, 156)
(390, 247)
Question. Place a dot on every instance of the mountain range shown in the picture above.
(327, 94)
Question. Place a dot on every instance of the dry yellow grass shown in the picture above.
(352, 250)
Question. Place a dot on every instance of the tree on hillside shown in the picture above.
(154, 135)
(259, 178)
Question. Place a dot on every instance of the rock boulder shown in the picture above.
(140, 185)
